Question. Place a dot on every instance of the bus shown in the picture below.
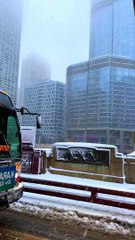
(11, 188)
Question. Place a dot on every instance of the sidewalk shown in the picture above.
(82, 181)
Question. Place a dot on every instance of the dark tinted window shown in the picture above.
(5, 101)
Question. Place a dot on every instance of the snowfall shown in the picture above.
(89, 215)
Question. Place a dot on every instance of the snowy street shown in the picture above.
(96, 217)
(19, 226)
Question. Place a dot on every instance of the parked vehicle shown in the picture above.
(11, 189)
(28, 144)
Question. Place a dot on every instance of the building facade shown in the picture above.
(10, 37)
(48, 99)
(76, 99)
(112, 28)
(100, 92)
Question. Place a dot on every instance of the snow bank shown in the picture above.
(92, 219)
(89, 215)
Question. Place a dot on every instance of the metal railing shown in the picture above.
(96, 195)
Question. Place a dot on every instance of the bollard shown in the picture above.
(44, 162)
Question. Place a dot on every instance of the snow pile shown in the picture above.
(88, 215)
(81, 181)
(112, 221)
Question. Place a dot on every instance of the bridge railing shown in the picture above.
(110, 197)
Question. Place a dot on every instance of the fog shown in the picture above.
(58, 30)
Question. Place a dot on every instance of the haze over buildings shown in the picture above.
(10, 36)
(58, 30)
(34, 68)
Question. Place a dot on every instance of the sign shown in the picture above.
(7, 177)
(84, 155)
(28, 135)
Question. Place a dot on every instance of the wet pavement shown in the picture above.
(19, 226)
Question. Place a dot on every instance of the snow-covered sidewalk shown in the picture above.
(92, 215)
(82, 181)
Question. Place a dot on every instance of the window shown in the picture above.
(13, 136)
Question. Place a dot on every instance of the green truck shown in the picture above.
(11, 187)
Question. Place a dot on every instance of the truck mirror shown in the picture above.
(38, 121)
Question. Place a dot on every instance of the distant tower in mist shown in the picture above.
(10, 35)
(34, 68)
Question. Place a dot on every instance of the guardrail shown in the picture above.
(97, 195)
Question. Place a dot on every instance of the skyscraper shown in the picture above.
(109, 83)
(49, 102)
(34, 68)
(10, 36)
(112, 28)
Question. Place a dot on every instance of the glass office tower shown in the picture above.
(46, 97)
(102, 109)
(76, 98)
(10, 35)
(112, 28)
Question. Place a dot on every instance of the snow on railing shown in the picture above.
(96, 195)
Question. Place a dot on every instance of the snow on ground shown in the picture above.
(89, 215)
(81, 181)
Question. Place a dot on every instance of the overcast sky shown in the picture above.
(58, 30)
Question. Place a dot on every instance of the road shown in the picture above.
(18, 226)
